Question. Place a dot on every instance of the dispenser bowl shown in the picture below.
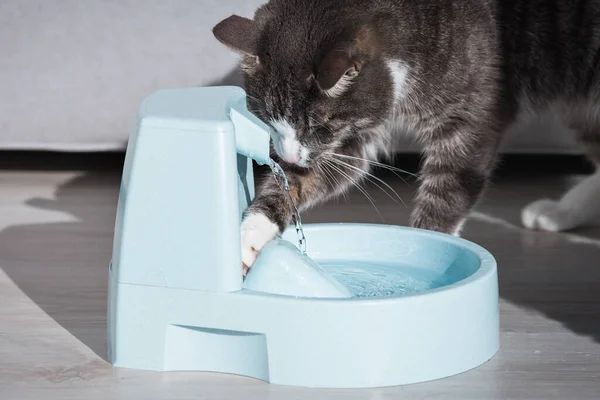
(382, 261)
(424, 307)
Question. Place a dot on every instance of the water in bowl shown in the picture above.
(366, 279)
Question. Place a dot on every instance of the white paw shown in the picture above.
(256, 231)
(459, 228)
(547, 215)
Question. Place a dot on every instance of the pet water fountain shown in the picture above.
(366, 306)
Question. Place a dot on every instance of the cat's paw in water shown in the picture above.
(256, 231)
(548, 215)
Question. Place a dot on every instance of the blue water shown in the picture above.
(365, 279)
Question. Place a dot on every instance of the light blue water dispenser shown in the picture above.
(373, 305)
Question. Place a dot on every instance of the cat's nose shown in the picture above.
(291, 158)
(290, 150)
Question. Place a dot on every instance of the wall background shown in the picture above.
(72, 73)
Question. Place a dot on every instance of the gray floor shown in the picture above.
(55, 244)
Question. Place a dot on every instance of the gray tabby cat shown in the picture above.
(338, 79)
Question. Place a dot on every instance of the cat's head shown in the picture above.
(317, 79)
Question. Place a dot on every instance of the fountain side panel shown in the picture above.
(179, 200)
(187, 180)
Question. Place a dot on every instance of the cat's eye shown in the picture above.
(266, 56)
(353, 71)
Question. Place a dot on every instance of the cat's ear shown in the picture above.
(340, 66)
(239, 34)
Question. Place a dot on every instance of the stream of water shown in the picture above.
(281, 178)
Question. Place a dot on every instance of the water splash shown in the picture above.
(280, 177)
(365, 279)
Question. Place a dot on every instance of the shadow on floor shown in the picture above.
(556, 274)
(63, 267)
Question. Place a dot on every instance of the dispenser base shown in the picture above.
(354, 342)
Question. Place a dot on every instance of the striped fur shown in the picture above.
(454, 74)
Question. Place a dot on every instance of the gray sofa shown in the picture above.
(73, 72)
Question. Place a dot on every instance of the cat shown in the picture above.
(338, 79)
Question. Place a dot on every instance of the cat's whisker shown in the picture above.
(356, 184)
(318, 118)
(330, 178)
(373, 179)
(317, 136)
(323, 171)
(255, 99)
(336, 182)
(321, 125)
(374, 163)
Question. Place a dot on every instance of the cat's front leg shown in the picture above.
(272, 209)
(454, 173)
(264, 219)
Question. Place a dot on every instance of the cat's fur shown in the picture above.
(343, 76)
